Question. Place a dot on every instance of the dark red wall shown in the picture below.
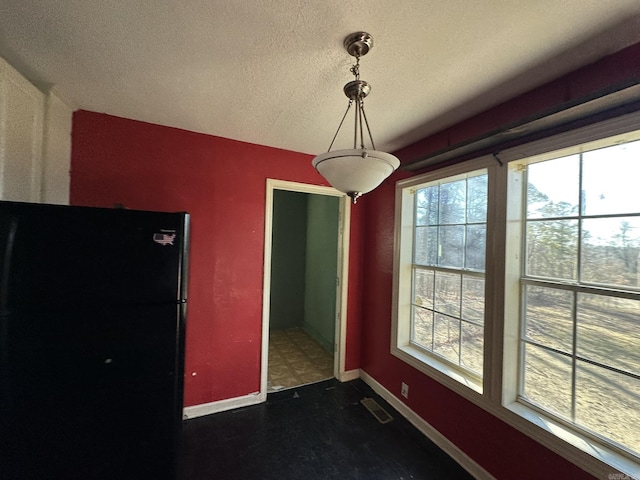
(500, 449)
(222, 184)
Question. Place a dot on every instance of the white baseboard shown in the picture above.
(349, 375)
(222, 405)
(431, 433)
(245, 401)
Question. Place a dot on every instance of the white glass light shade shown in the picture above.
(352, 172)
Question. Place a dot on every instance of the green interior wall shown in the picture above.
(288, 258)
(321, 269)
(304, 259)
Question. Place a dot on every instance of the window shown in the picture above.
(448, 270)
(517, 285)
(444, 278)
(580, 292)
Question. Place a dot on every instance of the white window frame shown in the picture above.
(401, 346)
(498, 392)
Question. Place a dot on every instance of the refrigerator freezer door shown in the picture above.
(64, 256)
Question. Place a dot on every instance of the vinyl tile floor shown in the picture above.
(295, 358)
(315, 432)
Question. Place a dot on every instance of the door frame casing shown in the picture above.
(342, 273)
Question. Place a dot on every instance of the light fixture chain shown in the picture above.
(355, 69)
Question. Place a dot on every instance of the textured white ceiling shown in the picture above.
(271, 72)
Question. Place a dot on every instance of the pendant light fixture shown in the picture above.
(358, 170)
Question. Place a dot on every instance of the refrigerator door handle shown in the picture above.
(6, 266)
(5, 381)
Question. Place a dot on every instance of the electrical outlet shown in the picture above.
(404, 391)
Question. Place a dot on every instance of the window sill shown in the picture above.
(440, 371)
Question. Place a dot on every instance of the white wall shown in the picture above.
(56, 150)
(35, 141)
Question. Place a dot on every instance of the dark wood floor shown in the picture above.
(318, 431)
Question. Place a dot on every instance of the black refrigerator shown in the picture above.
(92, 321)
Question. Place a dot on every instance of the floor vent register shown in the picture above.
(376, 410)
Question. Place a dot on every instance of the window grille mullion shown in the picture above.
(583, 288)
(583, 359)
(460, 320)
(574, 356)
(574, 297)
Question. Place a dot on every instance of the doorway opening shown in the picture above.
(305, 295)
